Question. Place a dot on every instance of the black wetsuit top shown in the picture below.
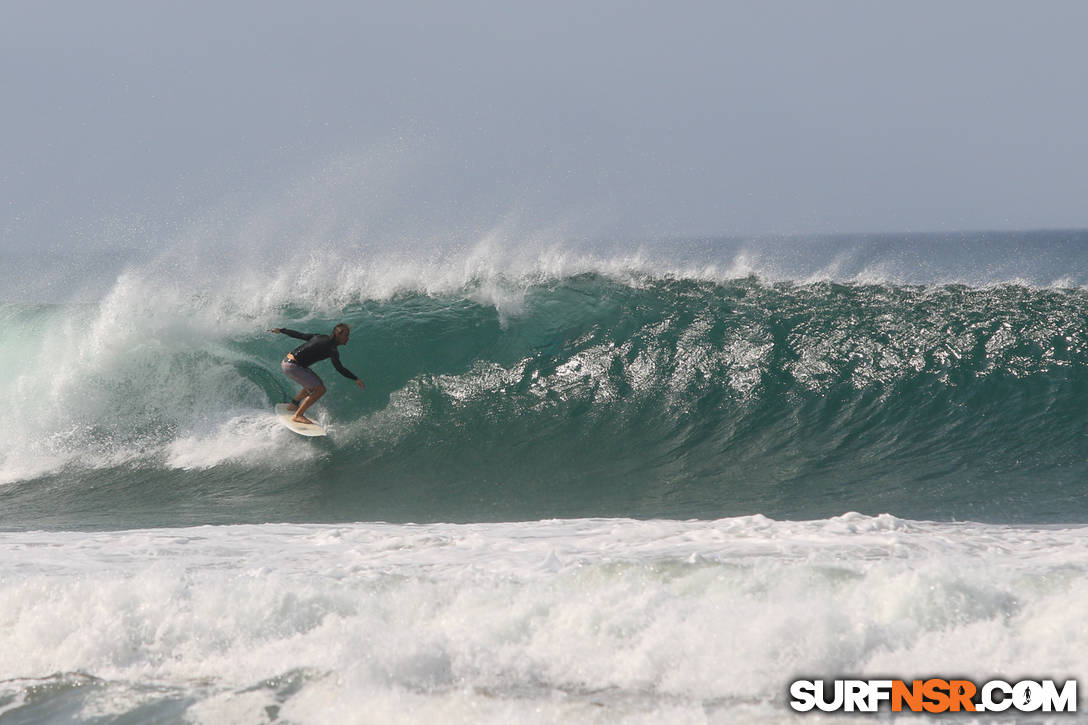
(315, 349)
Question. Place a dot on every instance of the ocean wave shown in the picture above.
(570, 395)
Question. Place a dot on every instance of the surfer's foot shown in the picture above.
(292, 404)
(302, 419)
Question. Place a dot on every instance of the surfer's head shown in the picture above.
(340, 333)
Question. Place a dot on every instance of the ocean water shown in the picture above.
(602, 481)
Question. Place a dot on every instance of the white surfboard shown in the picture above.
(284, 415)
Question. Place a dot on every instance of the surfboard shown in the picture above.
(284, 415)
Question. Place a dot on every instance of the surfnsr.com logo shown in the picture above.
(933, 695)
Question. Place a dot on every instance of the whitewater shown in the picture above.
(598, 481)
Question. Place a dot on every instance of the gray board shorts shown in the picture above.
(304, 376)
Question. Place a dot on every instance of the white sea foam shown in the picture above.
(557, 621)
(250, 438)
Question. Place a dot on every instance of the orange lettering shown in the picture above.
(936, 691)
(961, 693)
(911, 695)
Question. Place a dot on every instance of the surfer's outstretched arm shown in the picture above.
(292, 333)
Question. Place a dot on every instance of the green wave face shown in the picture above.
(579, 396)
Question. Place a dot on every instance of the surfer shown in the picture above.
(297, 365)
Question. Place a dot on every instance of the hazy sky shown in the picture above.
(609, 118)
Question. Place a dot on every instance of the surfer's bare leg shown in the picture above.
(312, 398)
